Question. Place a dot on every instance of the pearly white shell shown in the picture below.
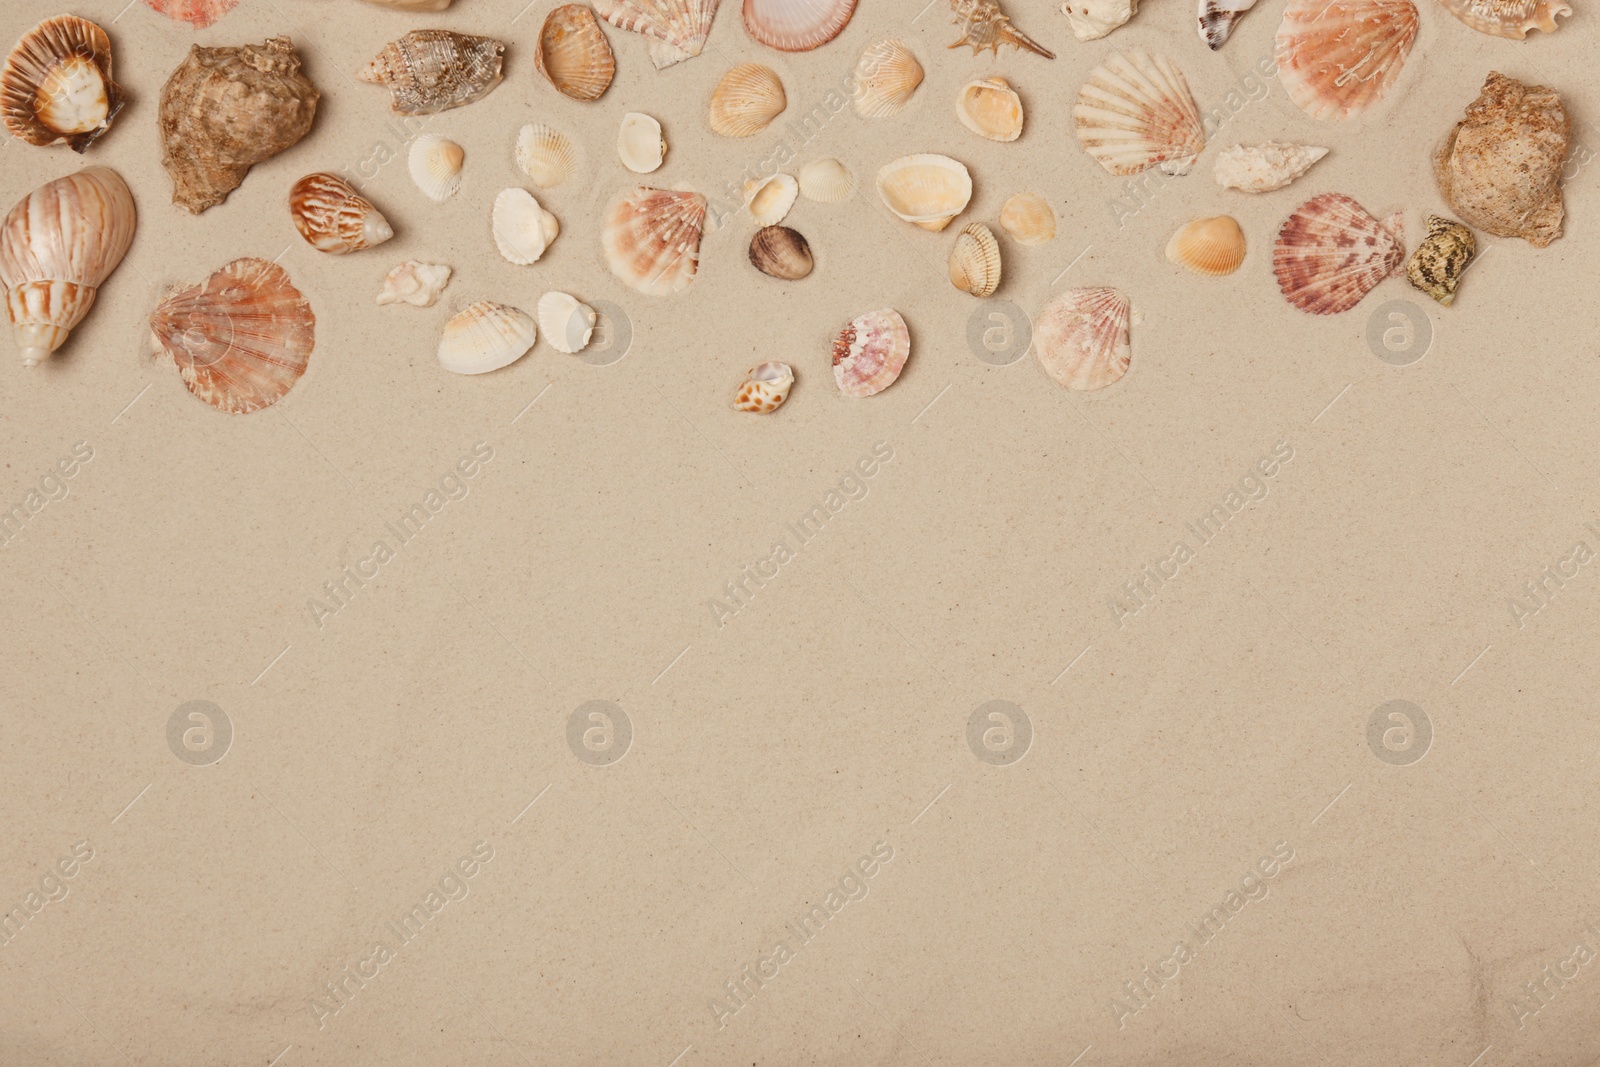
(640, 145)
(435, 165)
(485, 337)
(567, 322)
(415, 283)
(522, 229)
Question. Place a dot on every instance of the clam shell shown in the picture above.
(197, 13)
(1093, 19)
(826, 181)
(1028, 218)
(435, 166)
(674, 30)
(415, 283)
(1135, 112)
(746, 100)
(928, 190)
(1336, 59)
(333, 217)
(1217, 18)
(886, 76)
(985, 25)
(870, 352)
(990, 108)
(428, 71)
(640, 145)
(241, 338)
(769, 199)
(765, 388)
(1081, 338)
(573, 53)
(975, 260)
(779, 252)
(1264, 167)
(485, 337)
(651, 238)
(56, 87)
(1509, 18)
(1330, 253)
(796, 25)
(567, 322)
(522, 229)
(545, 155)
(1213, 246)
(1441, 259)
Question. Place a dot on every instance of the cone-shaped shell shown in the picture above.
(990, 108)
(1330, 253)
(640, 145)
(1135, 111)
(746, 100)
(56, 87)
(484, 337)
(1029, 219)
(765, 388)
(435, 165)
(769, 199)
(779, 252)
(415, 283)
(826, 181)
(567, 322)
(975, 260)
(241, 338)
(573, 53)
(1081, 338)
(675, 30)
(886, 76)
(651, 238)
(796, 25)
(1509, 18)
(523, 229)
(428, 71)
(870, 352)
(333, 217)
(197, 13)
(1213, 246)
(1337, 59)
(58, 245)
(928, 190)
(545, 155)
(1264, 167)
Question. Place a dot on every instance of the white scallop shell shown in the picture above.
(640, 145)
(567, 322)
(485, 337)
(1081, 338)
(769, 199)
(826, 181)
(522, 229)
(1135, 111)
(435, 165)
(545, 154)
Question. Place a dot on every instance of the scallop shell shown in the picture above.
(56, 87)
(1337, 58)
(765, 388)
(1331, 253)
(674, 30)
(567, 322)
(333, 217)
(1081, 338)
(1217, 18)
(522, 229)
(779, 252)
(1509, 18)
(640, 145)
(746, 100)
(1213, 246)
(435, 165)
(485, 337)
(1441, 259)
(241, 338)
(796, 25)
(226, 109)
(1264, 167)
(928, 190)
(573, 53)
(1093, 19)
(58, 245)
(826, 181)
(428, 71)
(1028, 218)
(975, 260)
(886, 76)
(870, 352)
(984, 25)
(415, 283)
(990, 108)
(651, 238)
(769, 199)
(197, 13)
(1135, 111)
(545, 155)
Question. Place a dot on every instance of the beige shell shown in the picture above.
(651, 238)
(333, 217)
(415, 283)
(1501, 167)
(58, 245)
(796, 25)
(765, 388)
(1081, 338)
(1264, 167)
(428, 71)
(928, 190)
(1330, 253)
(485, 337)
(1337, 58)
(573, 53)
(975, 260)
(226, 109)
(567, 322)
(1509, 18)
(674, 30)
(1135, 111)
(545, 155)
(746, 100)
(984, 25)
(1093, 19)
(870, 352)
(1213, 246)
(990, 108)
(523, 230)
(826, 181)
(197, 13)
(886, 76)
(1029, 219)
(640, 145)
(56, 87)
(779, 252)
(435, 165)
(769, 199)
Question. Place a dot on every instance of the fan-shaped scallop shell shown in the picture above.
(428, 71)
(435, 165)
(1029, 219)
(796, 25)
(640, 145)
(746, 100)
(241, 338)
(545, 155)
(779, 252)
(485, 337)
(1213, 246)
(769, 199)
(56, 87)
(651, 238)
(1135, 111)
(573, 53)
(765, 388)
(886, 76)
(1337, 58)
(1330, 253)
(523, 229)
(415, 283)
(1081, 338)
(870, 352)
(928, 190)
(1509, 18)
(826, 181)
(566, 321)
(990, 108)
(674, 30)
(333, 217)
(197, 13)
(975, 260)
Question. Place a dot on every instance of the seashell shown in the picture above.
(1217, 18)
(769, 199)
(651, 238)
(826, 181)
(1501, 167)
(58, 245)
(333, 217)
(674, 30)
(573, 53)
(567, 322)
(984, 25)
(1213, 246)
(415, 283)
(765, 388)
(746, 100)
(1261, 168)
(1135, 111)
(886, 76)
(779, 252)
(640, 145)
(870, 352)
(56, 87)
(1441, 259)
(1337, 58)
(1331, 253)
(1081, 338)
(975, 260)
(1027, 217)
(796, 25)
(990, 108)
(197, 13)
(413, 5)
(435, 165)
(1508, 18)
(546, 155)
(428, 71)
(1093, 19)
(522, 229)
(928, 190)
(241, 338)
(485, 337)
(224, 110)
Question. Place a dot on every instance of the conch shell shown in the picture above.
(428, 71)
(57, 87)
(984, 25)
(1508, 18)
(57, 247)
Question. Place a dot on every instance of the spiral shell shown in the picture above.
(56, 87)
(415, 283)
(333, 217)
(765, 388)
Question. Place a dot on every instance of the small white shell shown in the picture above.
(485, 337)
(545, 154)
(765, 388)
(522, 229)
(769, 199)
(640, 145)
(435, 164)
(826, 181)
(567, 322)
(415, 283)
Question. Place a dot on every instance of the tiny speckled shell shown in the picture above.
(1441, 259)
(765, 388)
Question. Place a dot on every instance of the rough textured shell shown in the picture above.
(765, 388)
(640, 145)
(886, 77)
(415, 283)
(827, 181)
(769, 199)
(1264, 167)
(197, 13)
(1500, 168)
(1213, 246)
(674, 29)
(975, 260)
(990, 108)
(435, 165)
(984, 25)
(1029, 219)
(226, 109)
(545, 155)
(746, 100)
(241, 338)
(651, 238)
(485, 337)
(1093, 19)
(1081, 338)
(333, 217)
(428, 71)
(1509, 18)
(928, 190)
(56, 87)
(1337, 59)
(1441, 259)
(796, 25)
(779, 252)
(522, 228)
(1217, 18)
(870, 352)
(1135, 111)
(573, 53)
(567, 322)
(1330, 253)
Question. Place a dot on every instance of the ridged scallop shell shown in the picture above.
(1509, 18)
(1217, 18)
(984, 25)
(567, 322)
(640, 145)
(1330, 253)
(928, 190)
(870, 352)
(523, 230)
(886, 76)
(1337, 58)
(485, 337)
(545, 155)
(573, 53)
(1081, 338)
(1264, 167)
(56, 87)
(779, 252)
(990, 108)
(415, 283)
(769, 199)
(651, 238)
(975, 260)
(746, 100)
(241, 338)
(1441, 259)
(428, 71)
(1213, 246)
(435, 165)
(765, 388)
(796, 25)
(1135, 112)
(333, 217)
(674, 30)
(1029, 219)
(197, 13)
(826, 181)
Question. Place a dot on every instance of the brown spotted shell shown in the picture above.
(1441, 259)
(1330, 253)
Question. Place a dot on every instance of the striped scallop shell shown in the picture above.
(333, 217)
(485, 337)
(870, 352)
(1337, 58)
(651, 238)
(746, 100)
(545, 155)
(57, 87)
(796, 25)
(886, 76)
(573, 53)
(1081, 338)
(765, 388)
(1135, 111)
(1330, 253)
(674, 29)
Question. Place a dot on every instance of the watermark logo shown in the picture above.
(599, 733)
(1399, 733)
(999, 332)
(1399, 332)
(611, 338)
(999, 733)
(199, 733)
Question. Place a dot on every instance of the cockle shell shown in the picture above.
(415, 283)
(1509, 18)
(1441, 259)
(1135, 111)
(1217, 18)
(1330, 253)
(1337, 58)
(651, 238)
(796, 25)
(1213, 246)
(1264, 167)
(484, 337)
(522, 229)
(435, 165)
(1081, 338)
(56, 87)
(975, 260)
(984, 25)
(226, 109)
(333, 217)
(990, 108)
(58, 245)
(928, 190)
(1029, 219)
(546, 155)
(567, 322)
(573, 53)
(1500, 168)
(428, 71)
(886, 76)
(746, 100)
(826, 181)
(765, 388)
(240, 339)
(779, 252)
(769, 199)
(197, 13)
(1093, 19)
(640, 145)
(674, 30)
(870, 352)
